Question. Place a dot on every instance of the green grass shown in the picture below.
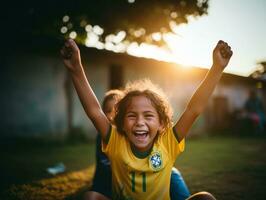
(229, 167)
(26, 163)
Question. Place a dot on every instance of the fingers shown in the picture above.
(66, 52)
(68, 49)
(224, 49)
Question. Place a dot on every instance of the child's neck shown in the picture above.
(139, 153)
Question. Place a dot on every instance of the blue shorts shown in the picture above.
(102, 181)
(178, 187)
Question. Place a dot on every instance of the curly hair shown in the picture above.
(150, 91)
(110, 95)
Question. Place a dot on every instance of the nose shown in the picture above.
(140, 121)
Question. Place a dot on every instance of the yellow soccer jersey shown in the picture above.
(142, 178)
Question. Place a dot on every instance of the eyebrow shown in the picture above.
(149, 112)
(145, 112)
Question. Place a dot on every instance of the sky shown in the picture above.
(241, 23)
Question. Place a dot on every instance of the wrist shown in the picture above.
(77, 70)
(217, 67)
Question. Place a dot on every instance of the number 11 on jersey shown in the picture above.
(133, 181)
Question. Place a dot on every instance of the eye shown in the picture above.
(149, 116)
(131, 116)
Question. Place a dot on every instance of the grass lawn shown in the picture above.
(229, 167)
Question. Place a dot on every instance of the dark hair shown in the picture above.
(147, 89)
(110, 95)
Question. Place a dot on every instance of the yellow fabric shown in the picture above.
(147, 178)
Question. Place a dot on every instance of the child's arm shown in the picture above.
(221, 56)
(71, 58)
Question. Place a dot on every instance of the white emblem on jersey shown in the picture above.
(155, 160)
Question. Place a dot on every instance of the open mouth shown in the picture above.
(140, 134)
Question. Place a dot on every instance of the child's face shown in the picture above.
(141, 123)
(109, 109)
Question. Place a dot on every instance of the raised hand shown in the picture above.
(71, 56)
(222, 54)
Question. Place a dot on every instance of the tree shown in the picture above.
(138, 18)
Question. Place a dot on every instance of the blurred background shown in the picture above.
(170, 42)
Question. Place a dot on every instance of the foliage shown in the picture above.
(146, 16)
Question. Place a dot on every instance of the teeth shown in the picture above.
(140, 132)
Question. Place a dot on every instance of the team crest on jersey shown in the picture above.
(156, 161)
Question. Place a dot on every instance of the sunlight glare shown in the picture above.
(109, 46)
(119, 37)
(88, 28)
(97, 30)
(156, 36)
(66, 18)
(192, 44)
(91, 39)
(120, 48)
(116, 38)
(99, 45)
(109, 38)
(149, 51)
(73, 34)
(63, 29)
(139, 32)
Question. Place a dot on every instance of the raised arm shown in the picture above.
(221, 56)
(72, 60)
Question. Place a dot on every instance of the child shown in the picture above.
(101, 186)
(143, 144)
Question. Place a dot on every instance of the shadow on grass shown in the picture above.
(65, 186)
(24, 163)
